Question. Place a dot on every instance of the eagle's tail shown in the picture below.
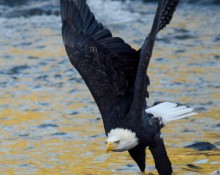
(168, 111)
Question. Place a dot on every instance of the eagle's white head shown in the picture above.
(120, 139)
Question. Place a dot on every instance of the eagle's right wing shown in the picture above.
(107, 64)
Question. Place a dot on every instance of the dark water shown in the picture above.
(26, 8)
(49, 123)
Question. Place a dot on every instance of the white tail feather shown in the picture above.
(168, 111)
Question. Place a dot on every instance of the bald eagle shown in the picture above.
(115, 74)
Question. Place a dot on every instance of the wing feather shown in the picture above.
(168, 11)
(113, 71)
(107, 64)
(163, 17)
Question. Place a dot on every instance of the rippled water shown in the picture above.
(49, 123)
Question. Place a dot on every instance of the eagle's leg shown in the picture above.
(139, 155)
(161, 159)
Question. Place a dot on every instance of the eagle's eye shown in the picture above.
(117, 142)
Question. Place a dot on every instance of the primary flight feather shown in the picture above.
(115, 74)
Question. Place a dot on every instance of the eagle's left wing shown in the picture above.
(163, 16)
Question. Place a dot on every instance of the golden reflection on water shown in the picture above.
(41, 153)
(75, 146)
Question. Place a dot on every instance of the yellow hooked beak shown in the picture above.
(110, 146)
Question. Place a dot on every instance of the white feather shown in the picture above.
(168, 111)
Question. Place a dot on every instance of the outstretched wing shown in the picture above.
(163, 17)
(107, 64)
(169, 7)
